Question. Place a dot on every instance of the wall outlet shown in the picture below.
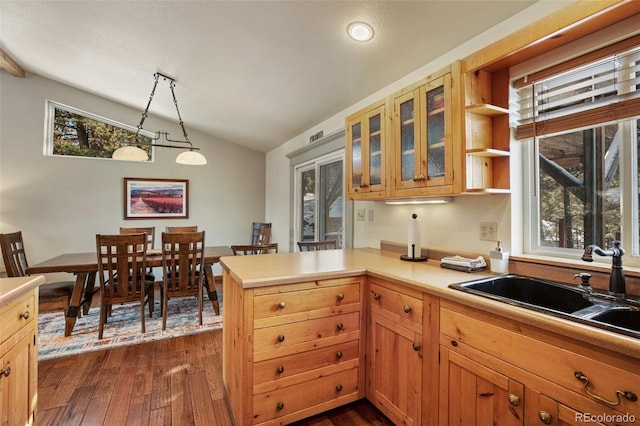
(489, 231)
(360, 215)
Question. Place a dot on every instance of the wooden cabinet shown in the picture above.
(501, 371)
(399, 355)
(366, 139)
(487, 132)
(19, 360)
(426, 135)
(282, 341)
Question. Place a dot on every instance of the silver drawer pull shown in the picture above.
(281, 305)
(25, 315)
(625, 394)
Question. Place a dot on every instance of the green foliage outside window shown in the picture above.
(78, 134)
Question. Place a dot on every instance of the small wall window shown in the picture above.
(75, 133)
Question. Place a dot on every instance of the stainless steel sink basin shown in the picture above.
(536, 293)
(596, 309)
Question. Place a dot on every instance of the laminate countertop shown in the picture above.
(286, 268)
(13, 288)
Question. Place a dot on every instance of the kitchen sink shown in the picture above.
(593, 308)
(529, 291)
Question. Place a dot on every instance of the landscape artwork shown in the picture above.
(156, 198)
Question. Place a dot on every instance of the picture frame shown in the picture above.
(149, 198)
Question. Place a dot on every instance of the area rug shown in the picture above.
(122, 328)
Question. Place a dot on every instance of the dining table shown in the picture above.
(85, 268)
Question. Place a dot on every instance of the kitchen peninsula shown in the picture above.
(360, 323)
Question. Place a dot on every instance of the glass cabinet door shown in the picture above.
(437, 134)
(375, 150)
(408, 159)
(356, 154)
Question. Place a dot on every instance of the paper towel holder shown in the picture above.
(414, 258)
(413, 243)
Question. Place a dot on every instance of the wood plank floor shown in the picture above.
(168, 382)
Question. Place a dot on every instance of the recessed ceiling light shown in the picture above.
(360, 31)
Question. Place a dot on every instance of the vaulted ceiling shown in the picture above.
(255, 73)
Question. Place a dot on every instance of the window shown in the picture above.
(319, 203)
(75, 133)
(581, 126)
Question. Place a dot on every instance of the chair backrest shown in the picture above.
(317, 245)
(118, 255)
(193, 228)
(183, 252)
(248, 249)
(261, 233)
(150, 231)
(13, 254)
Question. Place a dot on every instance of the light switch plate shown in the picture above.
(489, 231)
(360, 215)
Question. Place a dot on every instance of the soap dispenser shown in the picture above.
(499, 260)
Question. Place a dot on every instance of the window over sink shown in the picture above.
(579, 123)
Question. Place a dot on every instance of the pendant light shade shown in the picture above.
(130, 153)
(135, 153)
(191, 158)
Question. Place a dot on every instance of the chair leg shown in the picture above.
(103, 319)
(164, 310)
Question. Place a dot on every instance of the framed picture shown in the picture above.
(156, 198)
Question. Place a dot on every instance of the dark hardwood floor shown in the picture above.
(168, 382)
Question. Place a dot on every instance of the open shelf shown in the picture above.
(487, 109)
(488, 152)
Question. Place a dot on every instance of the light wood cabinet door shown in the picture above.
(366, 153)
(473, 394)
(394, 384)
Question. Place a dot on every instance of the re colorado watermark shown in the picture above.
(604, 418)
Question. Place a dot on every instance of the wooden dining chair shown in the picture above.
(261, 233)
(150, 232)
(183, 268)
(120, 256)
(193, 228)
(249, 249)
(51, 296)
(317, 245)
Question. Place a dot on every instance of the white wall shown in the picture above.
(60, 203)
(453, 226)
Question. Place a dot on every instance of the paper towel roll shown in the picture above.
(413, 241)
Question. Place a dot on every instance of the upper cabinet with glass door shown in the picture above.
(426, 151)
(366, 153)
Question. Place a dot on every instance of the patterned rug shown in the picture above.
(122, 328)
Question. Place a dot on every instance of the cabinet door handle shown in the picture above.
(544, 417)
(416, 346)
(340, 297)
(631, 396)
(339, 326)
(338, 388)
(281, 305)
(280, 369)
(377, 296)
(281, 338)
(25, 315)
(514, 400)
(280, 406)
(6, 372)
(339, 354)
(406, 309)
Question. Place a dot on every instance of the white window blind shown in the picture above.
(601, 91)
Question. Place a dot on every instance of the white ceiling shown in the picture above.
(255, 73)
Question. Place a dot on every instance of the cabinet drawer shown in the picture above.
(304, 396)
(403, 308)
(313, 297)
(548, 357)
(297, 365)
(306, 335)
(18, 314)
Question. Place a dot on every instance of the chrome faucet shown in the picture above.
(617, 286)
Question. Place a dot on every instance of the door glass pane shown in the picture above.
(356, 148)
(407, 138)
(435, 132)
(375, 152)
(308, 210)
(331, 202)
